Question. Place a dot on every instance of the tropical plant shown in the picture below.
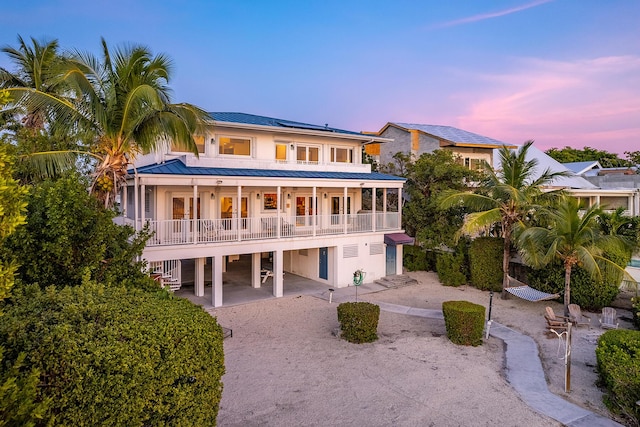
(36, 70)
(574, 237)
(507, 198)
(117, 106)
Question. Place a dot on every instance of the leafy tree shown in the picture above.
(569, 155)
(69, 236)
(428, 177)
(633, 157)
(506, 198)
(18, 383)
(119, 106)
(573, 237)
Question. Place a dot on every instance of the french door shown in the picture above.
(229, 213)
(338, 209)
(306, 210)
(182, 210)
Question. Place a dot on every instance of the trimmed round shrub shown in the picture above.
(113, 356)
(485, 263)
(359, 321)
(464, 322)
(450, 267)
(618, 357)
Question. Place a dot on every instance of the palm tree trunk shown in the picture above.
(567, 288)
(506, 255)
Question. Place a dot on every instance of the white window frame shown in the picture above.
(240, 156)
(350, 154)
(306, 161)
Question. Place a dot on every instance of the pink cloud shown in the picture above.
(592, 103)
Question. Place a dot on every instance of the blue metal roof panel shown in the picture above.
(453, 134)
(176, 167)
(252, 119)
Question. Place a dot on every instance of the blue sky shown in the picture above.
(561, 72)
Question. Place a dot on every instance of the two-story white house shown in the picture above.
(292, 197)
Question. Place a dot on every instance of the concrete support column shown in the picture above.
(278, 276)
(255, 269)
(216, 281)
(198, 281)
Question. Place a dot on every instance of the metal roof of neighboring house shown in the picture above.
(251, 119)
(580, 168)
(547, 162)
(454, 135)
(176, 167)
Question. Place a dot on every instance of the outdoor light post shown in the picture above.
(489, 316)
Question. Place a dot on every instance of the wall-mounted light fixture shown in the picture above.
(258, 196)
(293, 147)
(325, 195)
(213, 141)
(362, 184)
(288, 195)
(213, 196)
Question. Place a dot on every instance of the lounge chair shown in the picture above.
(609, 318)
(555, 322)
(576, 317)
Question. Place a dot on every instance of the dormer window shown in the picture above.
(234, 146)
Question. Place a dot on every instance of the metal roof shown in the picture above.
(581, 167)
(176, 167)
(452, 134)
(251, 119)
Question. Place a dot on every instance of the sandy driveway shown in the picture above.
(286, 368)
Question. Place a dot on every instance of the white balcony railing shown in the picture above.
(201, 231)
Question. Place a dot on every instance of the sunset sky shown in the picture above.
(561, 72)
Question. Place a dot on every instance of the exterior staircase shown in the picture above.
(168, 273)
(396, 281)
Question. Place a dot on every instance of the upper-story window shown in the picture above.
(234, 146)
(199, 140)
(281, 151)
(307, 154)
(473, 163)
(341, 155)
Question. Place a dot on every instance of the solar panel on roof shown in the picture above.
(297, 125)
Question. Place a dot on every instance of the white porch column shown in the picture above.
(374, 218)
(239, 213)
(400, 213)
(384, 209)
(195, 215)
(136, 209)
(278, 276)
(124, 201)
(198, 278)
(314, 208)
(255, 269)
(279, 211)
(143, 199)
(344, 208)
(216, 281)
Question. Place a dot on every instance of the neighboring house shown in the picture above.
(417, 139)
(291, 196)
(584, 168)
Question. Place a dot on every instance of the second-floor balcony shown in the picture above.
(207, 231)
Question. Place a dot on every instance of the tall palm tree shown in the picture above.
(575, 238)
(119, 106)
(36, 69)
(506, 198)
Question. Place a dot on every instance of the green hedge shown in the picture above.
(450, 268)
(587, 292)
(485, 263)
(359, 321)
(618, 357)
(415, 258)
(113, 357)
(464, 321)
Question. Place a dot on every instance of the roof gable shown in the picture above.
(451, 134)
